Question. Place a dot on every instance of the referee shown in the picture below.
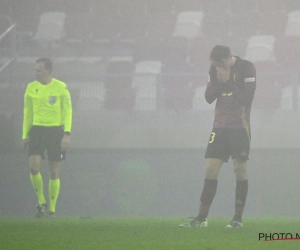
(46, 128)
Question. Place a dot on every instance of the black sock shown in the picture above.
(241, 192)
(207, 196)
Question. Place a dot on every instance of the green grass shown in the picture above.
(140, 234)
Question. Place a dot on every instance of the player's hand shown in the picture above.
(24, 144)
(223, 74)
(65, 142)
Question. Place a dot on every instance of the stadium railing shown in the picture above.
(8, 50)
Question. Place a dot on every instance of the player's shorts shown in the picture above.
(48, 139)
(226, 142)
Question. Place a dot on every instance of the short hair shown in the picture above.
(47, 63)
(220, 52)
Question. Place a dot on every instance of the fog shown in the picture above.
(138, 142)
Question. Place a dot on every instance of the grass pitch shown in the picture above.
(74, 233)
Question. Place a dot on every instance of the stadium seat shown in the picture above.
(105, 20)
(177, 86)
(44, 6)
(268, 89)
(145, 82)
(272, 23)
(293, 24)
(188, 24)
(154, 6)
(51, 29)
(161, 24)
(119, 92)
(216, 5)
(242, 6)
(270, 5)
(199, 102)
(260, 48)
(175, 50)
(133, 19)
(287, 49)
(216, 24)
(78, 29)
(147, 48)
(199, 52)
(243, 24)
(291, 5)
(187, 5)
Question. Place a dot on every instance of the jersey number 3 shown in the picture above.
(212, 137)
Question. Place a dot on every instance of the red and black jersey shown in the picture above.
(234, 97)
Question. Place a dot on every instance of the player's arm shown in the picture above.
(27, 115)
(245, 92)
(214, 86)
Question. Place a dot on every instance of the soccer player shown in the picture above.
(46, 128)
(232, 83)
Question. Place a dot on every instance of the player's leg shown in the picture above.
(240, 169)
(240, 152)
(216, 154)
(210, 186)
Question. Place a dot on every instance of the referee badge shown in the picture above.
(52, 99)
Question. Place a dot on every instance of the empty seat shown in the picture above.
(243, 24)
(216, 24)
(154, 6)
(78, 26)
(268, 91)
(293, 24)
(287, 51)
(119, 92)
(187, 5)
(132, 18)
(145, 81)
(270, 5)
(51, 29)
(188, 24)
(260, 48)
(242, 6)
(106, 20)
(272, 23)
(147, 49)
(199, 52)
(178, 87)
(175, 50)
(161, 24)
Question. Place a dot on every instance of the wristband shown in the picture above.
(67, 133)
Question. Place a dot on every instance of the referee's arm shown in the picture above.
(67, 110)
(28, 116)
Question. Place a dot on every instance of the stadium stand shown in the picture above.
(119, 94)
(155, 30)
(145, 81)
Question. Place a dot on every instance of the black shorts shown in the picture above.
(226, 142)
(46, 138)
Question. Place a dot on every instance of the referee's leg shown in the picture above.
(54, 185)
(36, 177)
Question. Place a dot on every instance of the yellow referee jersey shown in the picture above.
(47, 105)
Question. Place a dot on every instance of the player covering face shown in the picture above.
(232, 84)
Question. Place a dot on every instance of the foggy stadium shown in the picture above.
(137, 72)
